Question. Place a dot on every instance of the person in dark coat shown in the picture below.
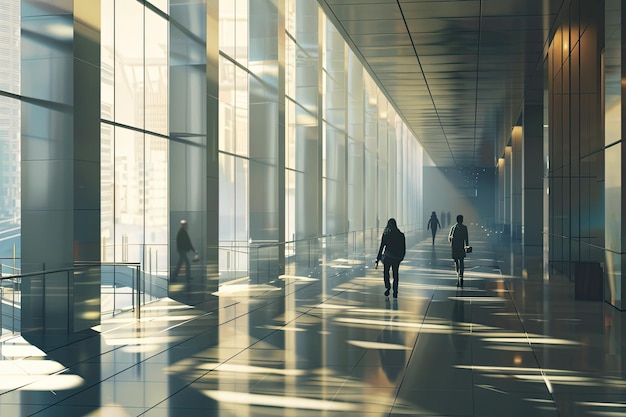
(183, 245)
(459, 240)
(391, 252)
(433, 224)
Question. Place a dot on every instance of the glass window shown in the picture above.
(129, 63)
(134, 163)
(10, 135)
(160, 4)
(10, 180)
(156, 74)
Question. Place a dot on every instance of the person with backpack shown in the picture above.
(459, 240)
(391, 252)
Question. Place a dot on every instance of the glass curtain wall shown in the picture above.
(193, 174)
(356, 150)
(386, 161)
(373, 154)
(334, 139)
(302, 147)
(340, 163)
(266, 64)
(349, 160)
(10, 189)
(234, 162)
(308, 144)
(134, 135)
(10, 152)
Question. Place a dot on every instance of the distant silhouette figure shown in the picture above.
(391, 252)
(442, 217)
(433, 224)
(459, 239)
(448, 219)
(183, 245)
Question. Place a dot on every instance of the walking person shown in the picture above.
(183, 245)
(433, 224)
(391, 253)
(459, 240)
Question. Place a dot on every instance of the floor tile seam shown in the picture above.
(112, 376)
(159, 331)
(534, 353)
(325, 300)
(472, 356)
(130, 365)
(69, 367)
(60, 401)
(249, 312)
(338, 294)
(8, 337)
(137, 363)
(100, 335)
(70, 343)
(182, 341)
(417, 338)
(472, 353)
(207, 314)
(209, 371)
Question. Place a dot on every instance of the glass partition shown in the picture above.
(124, 288)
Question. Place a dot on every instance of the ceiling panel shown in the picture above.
(457, 69)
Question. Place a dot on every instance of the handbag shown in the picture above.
(468, 249)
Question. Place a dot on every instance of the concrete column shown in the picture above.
(60, 164)
(266, 137)
(308, 146)
(193, 151)
(516, 183)
(508, 189)
(532, 169)
(501, 192)
(211, 252)
(615, 154)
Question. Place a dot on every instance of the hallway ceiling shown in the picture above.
(455, 70)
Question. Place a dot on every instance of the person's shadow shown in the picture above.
(433, 256)
(392, 359)
(458, 331)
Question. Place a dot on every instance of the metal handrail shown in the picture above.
(74, 268)
(83, 266)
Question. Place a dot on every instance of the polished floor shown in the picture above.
(512, 342)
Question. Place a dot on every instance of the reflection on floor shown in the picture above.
(512, 342)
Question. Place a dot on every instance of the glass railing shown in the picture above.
(122, 286)
(122, 289)
(10, 266)
(10, 297)
(262, 263)
(125, 286)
